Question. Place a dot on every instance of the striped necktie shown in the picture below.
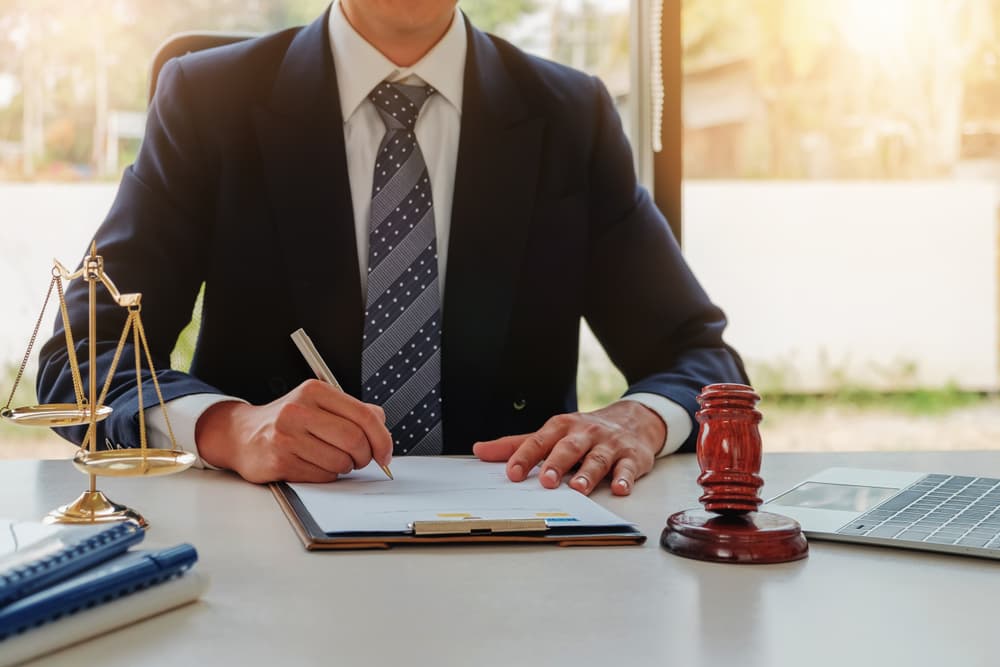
(401, 359)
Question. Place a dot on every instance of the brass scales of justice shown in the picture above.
(92, 506)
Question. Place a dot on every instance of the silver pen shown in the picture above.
(321, 370)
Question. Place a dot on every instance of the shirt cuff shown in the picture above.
(184, 415)
(676, 418)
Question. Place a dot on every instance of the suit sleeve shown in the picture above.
(155, 240)
(643, 302)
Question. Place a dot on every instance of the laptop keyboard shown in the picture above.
(938, 509)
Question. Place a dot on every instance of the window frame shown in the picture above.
(660, 172)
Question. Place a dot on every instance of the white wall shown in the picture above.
(850, 278)
(39, 222)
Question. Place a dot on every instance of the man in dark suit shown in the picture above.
(330, 178)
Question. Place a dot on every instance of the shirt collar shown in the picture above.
(360, 66)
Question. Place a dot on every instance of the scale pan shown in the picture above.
(132, 462)
(53, 414)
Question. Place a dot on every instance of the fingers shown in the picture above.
(624, 476)
(337, 434)
(282, 462)
(382, 446)
(575, 435)
(498, 450)
(367, 417)
(623, 462)
(300, 470)
(595, 467)
(601, 444)
(535, 448)
(317, 452)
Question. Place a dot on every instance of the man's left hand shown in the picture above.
(621, 439)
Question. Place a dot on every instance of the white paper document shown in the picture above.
(433, 488)
(22, 542)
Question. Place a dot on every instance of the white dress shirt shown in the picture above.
(360, 67)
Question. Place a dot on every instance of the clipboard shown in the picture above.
(455, 531)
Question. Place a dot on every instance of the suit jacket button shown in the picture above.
(520, 403)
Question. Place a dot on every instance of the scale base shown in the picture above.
(94, 507)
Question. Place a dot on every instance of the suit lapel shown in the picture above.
(495, 181)
(301, 137)
(300, 133)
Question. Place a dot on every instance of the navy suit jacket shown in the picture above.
(242, 183)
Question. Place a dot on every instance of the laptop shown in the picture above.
(946, 513)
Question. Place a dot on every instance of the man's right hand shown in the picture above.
(311, 434)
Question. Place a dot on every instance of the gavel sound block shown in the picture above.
(730, 529)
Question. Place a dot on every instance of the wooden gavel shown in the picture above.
(730, 529)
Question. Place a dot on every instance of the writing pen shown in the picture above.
(322, 371)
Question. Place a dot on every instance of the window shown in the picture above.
(840, 202)
(73, 81)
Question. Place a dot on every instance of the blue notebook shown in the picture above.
(34, 556)
(128, 573)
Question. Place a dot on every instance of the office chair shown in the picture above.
(189, 42)
(175, 46)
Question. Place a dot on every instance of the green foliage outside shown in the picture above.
(492, 15)
(838, 89)
(913, 402)
(599, 383)
(180, 357)
(807, 97)
(904, 393)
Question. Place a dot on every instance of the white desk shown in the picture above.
(272, 603)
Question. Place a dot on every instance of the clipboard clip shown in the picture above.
(478, 527)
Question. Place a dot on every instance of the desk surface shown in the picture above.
(270, 602)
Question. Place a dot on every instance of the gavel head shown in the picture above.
(729, 448)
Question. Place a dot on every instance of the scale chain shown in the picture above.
(111, 374)
(138, 383)
(31, 344)
(156, 383)
(74, 364)
(133, 324)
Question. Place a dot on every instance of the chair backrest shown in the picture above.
(175, 46)
(187, 42)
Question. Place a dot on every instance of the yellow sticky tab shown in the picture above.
(549, 515)
(454, 515)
